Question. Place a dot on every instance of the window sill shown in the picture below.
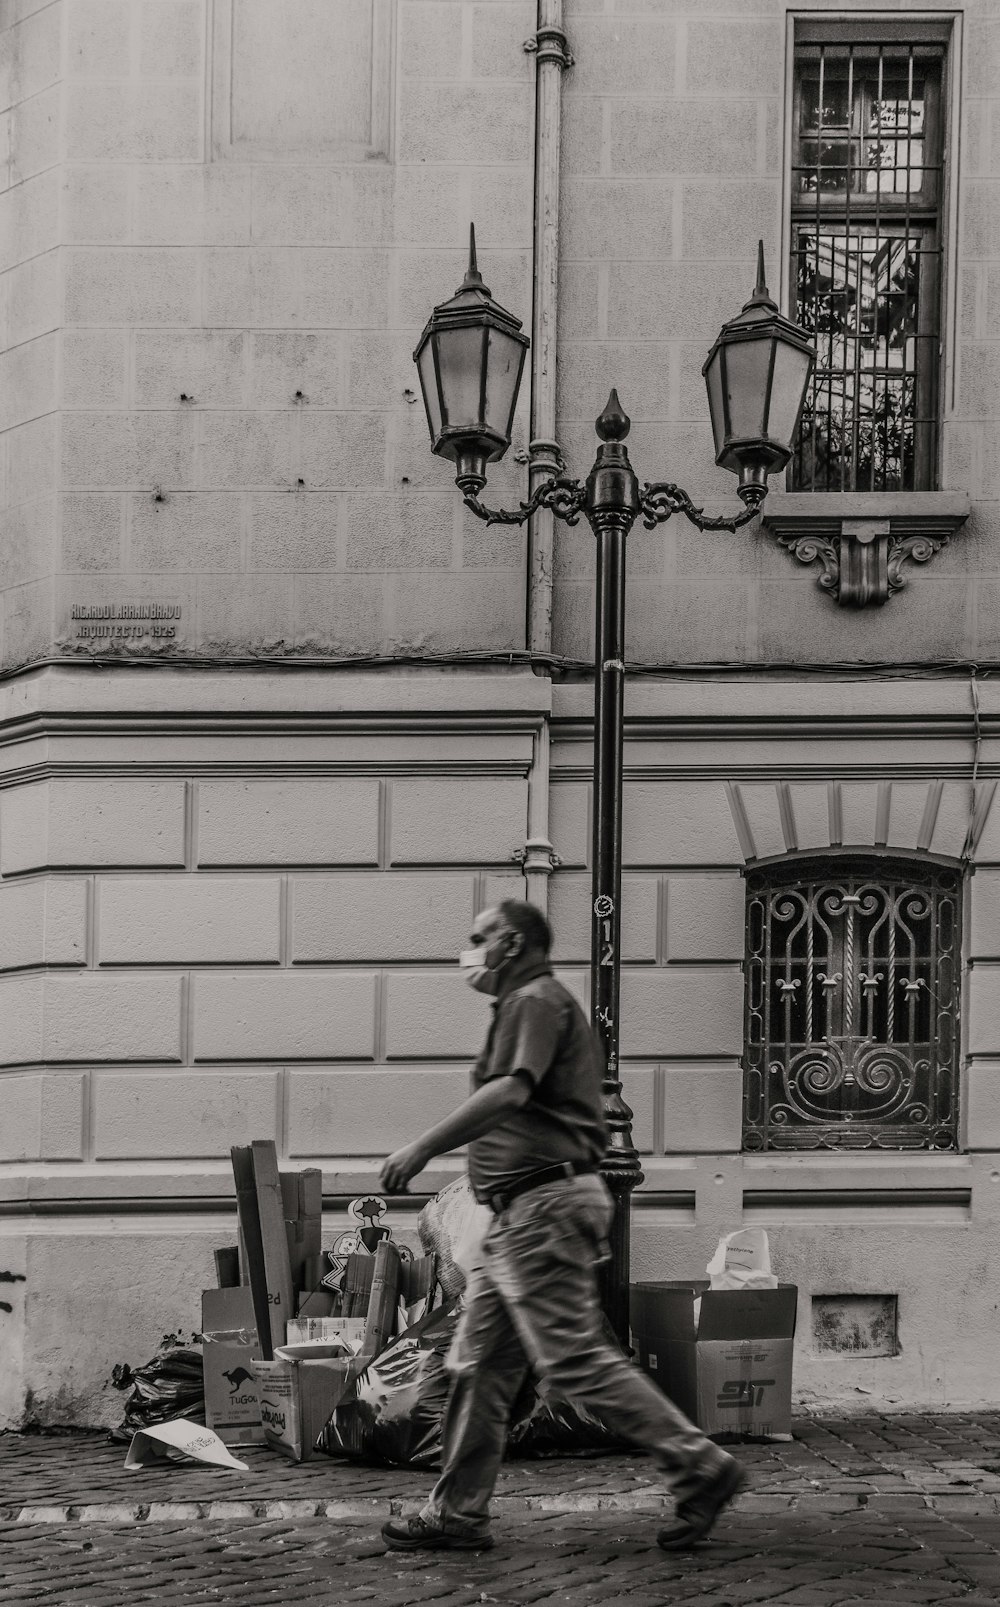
(862, 540)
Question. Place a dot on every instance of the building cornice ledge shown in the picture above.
(78, 693)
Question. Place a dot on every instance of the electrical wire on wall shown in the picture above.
(554, 664)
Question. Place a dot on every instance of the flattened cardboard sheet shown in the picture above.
(232, 1405)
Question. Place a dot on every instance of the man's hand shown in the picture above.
(401, 1166)
(487, 1108)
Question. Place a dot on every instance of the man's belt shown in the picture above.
(534, 1180)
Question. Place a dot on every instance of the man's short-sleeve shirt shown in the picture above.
(539, 1032)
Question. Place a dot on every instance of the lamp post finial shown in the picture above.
(760, 289)
(614, 423)
(473, 278)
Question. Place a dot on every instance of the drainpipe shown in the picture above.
(544, 458)
(538, 858)
(552, 57)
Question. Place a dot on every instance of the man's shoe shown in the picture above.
(416, 1534)
(696, 1515)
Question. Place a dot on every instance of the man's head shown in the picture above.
(500, 935)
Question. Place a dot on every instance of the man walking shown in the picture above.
(535, 1133)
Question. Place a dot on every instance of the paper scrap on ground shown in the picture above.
(180, 1441)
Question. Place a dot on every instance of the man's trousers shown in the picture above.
(533, 1302)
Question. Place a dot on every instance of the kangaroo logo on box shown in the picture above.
(238, 1377)
(743, 1391)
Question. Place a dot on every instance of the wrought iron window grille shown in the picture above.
(866, 262)
(867, 202)
(853, 986)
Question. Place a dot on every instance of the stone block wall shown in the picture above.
(190, 945)
(230, 903)
(30, 316)
(172, 924)
(257, 935)
(674, 157)
(702, 801)
(215, 271)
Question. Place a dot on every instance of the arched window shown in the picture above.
(853, 982)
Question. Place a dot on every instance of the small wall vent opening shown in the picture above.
(856, 1325)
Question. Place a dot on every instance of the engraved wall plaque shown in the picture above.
(113, 625)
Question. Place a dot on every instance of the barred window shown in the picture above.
(852, 1000)
(866, 261)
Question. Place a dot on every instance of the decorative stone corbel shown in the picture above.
(862, 542)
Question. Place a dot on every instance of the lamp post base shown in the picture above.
(616, 1273)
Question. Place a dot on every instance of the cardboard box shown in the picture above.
(306, 1330)
(724, 1356)
(232, 1406)
(298, 1391)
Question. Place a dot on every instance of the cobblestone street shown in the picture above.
(901, 1509)
(793, 1558)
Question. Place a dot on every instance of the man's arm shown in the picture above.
(482, 1111)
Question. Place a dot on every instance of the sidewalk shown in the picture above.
(945, 1462)
(853, 1513)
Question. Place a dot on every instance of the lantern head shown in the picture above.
(757, 374)
(469, 359)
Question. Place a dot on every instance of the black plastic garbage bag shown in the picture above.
(171, 1384)
(543, 1427)
(394, 1415)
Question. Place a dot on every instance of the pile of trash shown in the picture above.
(338, 1351)
(341, 1351)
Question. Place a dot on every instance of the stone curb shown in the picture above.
(968, 1504)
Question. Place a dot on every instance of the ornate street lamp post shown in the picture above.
(470, 358)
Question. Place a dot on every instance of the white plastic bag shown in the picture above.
(742, 1260)
(467, 1249)
(453, 1226)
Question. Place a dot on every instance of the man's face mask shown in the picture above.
(484, 963)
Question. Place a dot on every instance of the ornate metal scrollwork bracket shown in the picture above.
(660, 500)
(565, 497)
(863, 560)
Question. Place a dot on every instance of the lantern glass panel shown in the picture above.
(460, 356)
(504, 371)
(713, 380)
(791, 373)
(746, 384)
(428, 380)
